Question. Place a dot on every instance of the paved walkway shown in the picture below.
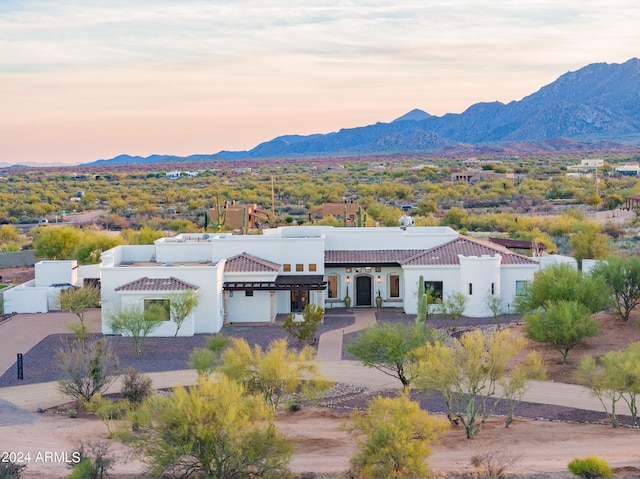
(27, 331)
(330, 343)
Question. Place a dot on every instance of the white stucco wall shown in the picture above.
(449, 275)
(250, 309)
(480, 272)
(26, 298)
(55, 272)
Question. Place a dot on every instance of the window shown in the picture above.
(286, 267)
(435, 287)
(157, 307)
(299, 267)
(312, 267)
(520, 287)
(248, 292)
(493, 289)
(470, 289)
(332, 287)
(394, 286)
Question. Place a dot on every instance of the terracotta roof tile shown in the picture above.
(156, 284)
(368, 256)
(447, 254)
(246, 263)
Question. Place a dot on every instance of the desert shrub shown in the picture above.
(591, 467)
(86, 369)
(92, 460)
(136, 387)
(11, 470)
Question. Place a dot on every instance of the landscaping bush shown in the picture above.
(591, 468)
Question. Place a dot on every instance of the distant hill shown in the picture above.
(596, 107)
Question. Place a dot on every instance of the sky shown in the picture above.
(82, 80)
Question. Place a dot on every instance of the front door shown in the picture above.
(363, 291)
(299, 299)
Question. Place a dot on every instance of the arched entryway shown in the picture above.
(363, 290)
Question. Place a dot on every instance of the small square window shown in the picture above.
(299, 267)
(248, 292)
(286, 267)
(312, 267)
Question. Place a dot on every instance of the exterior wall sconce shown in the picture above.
(379, 279)
(348, 280)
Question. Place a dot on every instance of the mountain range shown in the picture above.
(595, 107)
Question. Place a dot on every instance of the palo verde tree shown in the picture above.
(468, 371)
(389, 348)
(273, 373)
(78, 301)
(562, 325)
(181, 305)
(615, 378)
(622, 275)
(588, 242)
(393, 438)
(56, 243)
(563, 283)
(136, 323)
(215, 429)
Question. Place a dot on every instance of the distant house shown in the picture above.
(588, 164)
(238, 216)
(471, 176)
(346, 212)
(173, 175)
(628, 169)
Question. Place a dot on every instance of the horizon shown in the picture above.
(87, 82)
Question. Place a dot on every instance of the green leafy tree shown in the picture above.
(91, 246)
(86, 370)
(305, 330)
(393, 438)
(215, 429)
(453, 305)
(616, 378)
(135, 323)
(181, 305)
(622, 275)
(562, 325)
(563, 283)
(78, 301)
(467, 372)
(389, 348)
(273, 373)
(588, 242)
(56, 243)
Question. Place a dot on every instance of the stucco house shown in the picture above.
(252, 278)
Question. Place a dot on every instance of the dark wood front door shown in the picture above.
(363, 291)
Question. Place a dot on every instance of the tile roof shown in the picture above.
(369, 256)
(157, 284)
(447, 254)
(246, 263)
